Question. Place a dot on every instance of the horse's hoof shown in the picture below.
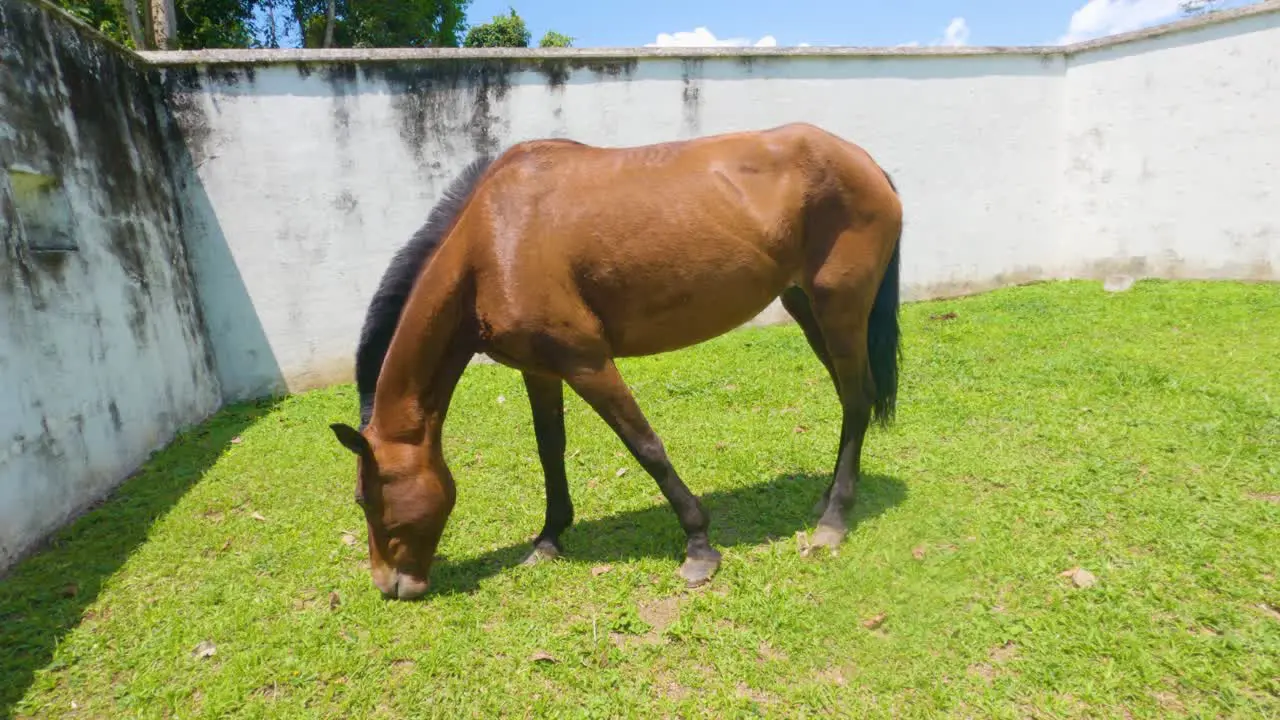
(698, 571)
(827, 537)
(541, 554)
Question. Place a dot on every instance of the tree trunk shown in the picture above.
(134, 21)
(330, 18)
(162, 24)
(273, 38)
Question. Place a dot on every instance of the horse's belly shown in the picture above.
(646, 314)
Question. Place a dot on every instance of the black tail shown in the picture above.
(883, 350)
(383, 315)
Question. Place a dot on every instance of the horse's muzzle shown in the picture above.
(396, 585)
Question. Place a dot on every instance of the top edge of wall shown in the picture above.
(293, 55)
(290, 55)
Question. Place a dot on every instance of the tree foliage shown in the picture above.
(269, 23)
(555, 39)
(502, 31)
(272, 23)
(200, 23)
(105, 16)
(213, 23)
(383, 23)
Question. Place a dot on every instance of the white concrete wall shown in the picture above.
(1155, 154)
(1171, 148)
(102, 352)
(313, 179)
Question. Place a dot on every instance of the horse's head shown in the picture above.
(406, 500)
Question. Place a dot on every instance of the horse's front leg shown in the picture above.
(546, 399)
(603, 388)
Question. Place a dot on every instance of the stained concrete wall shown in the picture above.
(315, 174)
(103, 355)
(1154, 153)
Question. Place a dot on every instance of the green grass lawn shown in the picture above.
(1040, 429)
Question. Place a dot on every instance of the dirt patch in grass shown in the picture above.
(660, 613)
(769, 654)
(757, 696)
(657, 615)
(996, 659)
(666, 686)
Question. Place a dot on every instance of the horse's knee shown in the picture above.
(651, 452)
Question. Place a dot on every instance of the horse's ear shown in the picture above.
(351, 439)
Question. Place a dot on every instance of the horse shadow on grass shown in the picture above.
(745, 516)
(44, 596)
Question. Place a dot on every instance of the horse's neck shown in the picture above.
(426, 358)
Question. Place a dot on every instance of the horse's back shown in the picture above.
(783, 165)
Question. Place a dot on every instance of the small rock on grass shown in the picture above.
(802, 543)
(875, 622)
(599, 570)
(205, 649)
(541, 656)
(1080, 577)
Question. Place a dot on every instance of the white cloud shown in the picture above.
(1099, 18)
(957, 33)
(702, 37)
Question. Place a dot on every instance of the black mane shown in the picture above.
(397, 282)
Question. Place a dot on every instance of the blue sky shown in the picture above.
(595, 23)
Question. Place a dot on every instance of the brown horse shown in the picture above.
(557, 257)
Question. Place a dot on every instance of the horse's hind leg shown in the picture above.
(797, 304)
(604, 389)
(842, 305)
(546, 399)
